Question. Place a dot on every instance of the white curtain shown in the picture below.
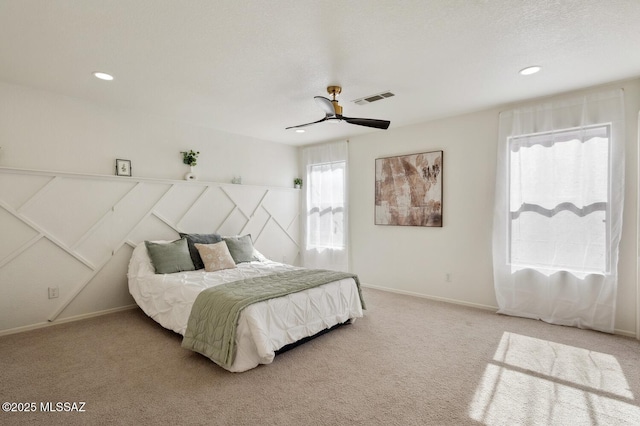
(558, 210)
(326, 230)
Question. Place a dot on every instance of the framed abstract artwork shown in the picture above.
(409, 190)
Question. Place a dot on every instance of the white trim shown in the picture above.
(468, 304)
(426, 296)
(626, 333)
(637, 333)
(66, 320)
(73, 175)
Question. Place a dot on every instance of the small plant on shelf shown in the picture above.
(190, 158)
(297, 182)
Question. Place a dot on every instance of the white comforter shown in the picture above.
(263, 327)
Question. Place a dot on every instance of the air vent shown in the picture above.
(373, 98)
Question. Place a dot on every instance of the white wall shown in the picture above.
(42, 130)
(415, 260)
(50, 222)
(45, 131)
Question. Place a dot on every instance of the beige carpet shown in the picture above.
(410, 361)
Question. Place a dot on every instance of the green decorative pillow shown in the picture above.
(168, 258)
(193, 239)
(241, 248)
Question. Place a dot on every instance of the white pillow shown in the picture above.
(215, 256)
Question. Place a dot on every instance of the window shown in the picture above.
(558, 209)
(559, 200)
(325, 205)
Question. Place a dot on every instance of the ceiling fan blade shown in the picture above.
(326, 105)
(368, 122)
(307, 124)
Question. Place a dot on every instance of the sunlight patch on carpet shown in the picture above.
(534, 381)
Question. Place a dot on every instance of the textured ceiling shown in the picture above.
(252, 67)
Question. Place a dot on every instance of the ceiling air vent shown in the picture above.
(373, 98)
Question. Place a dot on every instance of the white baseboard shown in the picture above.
(625, 333)
(425, 296)
(387, 289)
(65, 320)
(617, 331)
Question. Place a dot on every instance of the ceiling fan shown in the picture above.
(333, 112)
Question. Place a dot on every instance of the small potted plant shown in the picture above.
(297, 183)
(190, 158)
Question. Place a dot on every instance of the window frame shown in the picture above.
(309, 245)
(608, 232)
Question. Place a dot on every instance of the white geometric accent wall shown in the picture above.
(76, 232)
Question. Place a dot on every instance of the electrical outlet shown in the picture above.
(448, 277)
(54, 292)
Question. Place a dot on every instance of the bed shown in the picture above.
(262, 328)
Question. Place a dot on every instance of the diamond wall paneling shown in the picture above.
(208, 212)
(282, 207)
(76, 232)
(25, 280)
(256, 224)
(28, 184)
(177, 204)
(247, 200)
(117, 224)
(15, 235)
(67, 208)
(275, 241)
(106, 289)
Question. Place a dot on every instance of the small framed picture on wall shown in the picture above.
(123, 167)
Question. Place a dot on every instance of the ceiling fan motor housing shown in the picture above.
(333, 91)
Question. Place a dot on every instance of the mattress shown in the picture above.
(264, 327)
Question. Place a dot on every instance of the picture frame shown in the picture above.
(408, 189)
(123, 167)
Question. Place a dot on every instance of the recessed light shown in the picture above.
(103, 76)
(300, 131)
(530, 70)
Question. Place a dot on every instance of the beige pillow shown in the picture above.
(215, 256)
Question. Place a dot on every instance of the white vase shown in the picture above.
(190, 175)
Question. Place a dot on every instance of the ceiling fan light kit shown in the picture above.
(333, 112)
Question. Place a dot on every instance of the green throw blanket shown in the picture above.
(211, 329)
